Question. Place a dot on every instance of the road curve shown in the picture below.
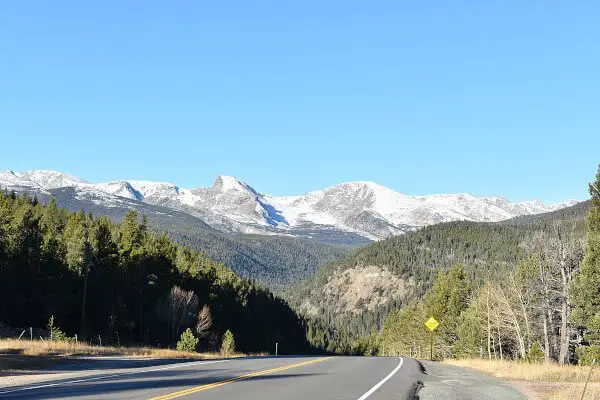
(265, 378)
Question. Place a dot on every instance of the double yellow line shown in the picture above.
(238, 378)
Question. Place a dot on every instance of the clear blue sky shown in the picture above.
(492, 98)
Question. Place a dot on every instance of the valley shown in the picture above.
(328, 296)
(275, 241)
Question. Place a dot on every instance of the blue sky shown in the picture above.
(492, 98)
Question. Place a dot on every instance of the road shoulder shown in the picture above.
(449, 382)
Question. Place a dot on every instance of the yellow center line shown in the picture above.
(238, 378)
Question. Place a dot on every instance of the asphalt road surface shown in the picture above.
(265, 378)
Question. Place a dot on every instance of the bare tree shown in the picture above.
(558, 254)
(568, 254)
(508, 319)
(204, 322)
(522, 296)
(182, 307)
(536, 247)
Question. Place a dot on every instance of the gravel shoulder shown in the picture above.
(448, 382)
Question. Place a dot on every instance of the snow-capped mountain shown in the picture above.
(360, 208)
(50, 179)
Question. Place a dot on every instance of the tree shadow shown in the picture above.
(172, 380)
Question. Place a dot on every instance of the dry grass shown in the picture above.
(540, 381)
(51, 348)
(512, 370)
(573, 392)
(557, 390)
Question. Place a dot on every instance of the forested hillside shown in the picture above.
(127, 285)
(544, 308)
(276, 262)
(349, 300)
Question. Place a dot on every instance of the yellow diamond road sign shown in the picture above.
(431, 324)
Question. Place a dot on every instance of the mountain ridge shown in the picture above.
(365, 208)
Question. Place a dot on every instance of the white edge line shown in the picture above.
(95, 378)
(381, 382)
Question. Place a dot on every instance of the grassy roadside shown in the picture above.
(540, 381)
(26, 354)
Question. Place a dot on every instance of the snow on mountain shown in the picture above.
(10, 180)
(377, 211)
(238, 202)
(51, 179)
(366, 208)
(119, 188)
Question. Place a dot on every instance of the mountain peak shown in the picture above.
(226, 183)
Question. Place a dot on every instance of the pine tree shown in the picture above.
(54, 332)
(52, 225)
(446, 301)
(187, 341)
(228, 345)
(78, 254)
(586, 288)
(535, 355)
(471, 336)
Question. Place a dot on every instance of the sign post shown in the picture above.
(431, 324)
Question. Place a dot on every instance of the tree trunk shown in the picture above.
(546, 339)
(500, 343)
(547, 312)
(564, 314)
(84, 299)
(489, 328)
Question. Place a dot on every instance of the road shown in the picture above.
(265, 378)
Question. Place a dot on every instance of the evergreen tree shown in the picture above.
(535, 355)
(52, 225)
(445, 302)
(471, 337)
(54, 332)
(586, 287)
(187, 341)
(228, 344)
(78, 254)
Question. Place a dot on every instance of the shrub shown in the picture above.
(187, 341)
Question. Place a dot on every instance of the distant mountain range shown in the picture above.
(349, 213)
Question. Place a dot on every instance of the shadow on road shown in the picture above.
(174, 380)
